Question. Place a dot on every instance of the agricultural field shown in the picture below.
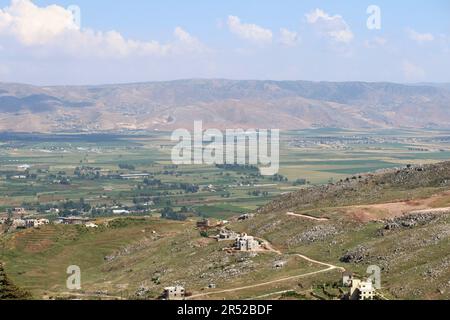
(320, 212)
(134, 171)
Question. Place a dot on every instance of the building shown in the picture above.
(362, 290)
(74, 220)
(226, 235)
(174, 293)
(246, 216)
(19, 211)
(42, 222)
(246, 243)
(347, 279)
(204, 224)
(91, 225)
(53, 211)
(120, 212)
(134, 176)
(19, 224)
(19, 177)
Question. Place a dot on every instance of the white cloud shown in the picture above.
(53, 28)
(288, 38)
(32, 25)
(333, 27)
(412, 72)
(189, 42)
(419, 37)
(251, 32)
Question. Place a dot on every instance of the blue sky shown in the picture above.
(142, 40)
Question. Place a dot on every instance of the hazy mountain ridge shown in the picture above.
(223, 103)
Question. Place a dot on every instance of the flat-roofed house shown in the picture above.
(246, 243)
(174, 293)
(362, 290)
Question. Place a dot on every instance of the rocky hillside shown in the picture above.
(222, 104)
(398, 220)
(386, 185)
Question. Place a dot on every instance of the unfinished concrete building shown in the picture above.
(227, 235)
(247, 243)
(362, 290)
(174, 293)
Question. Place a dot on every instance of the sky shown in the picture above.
(78, 42)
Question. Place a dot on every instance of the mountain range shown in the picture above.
(223, 104)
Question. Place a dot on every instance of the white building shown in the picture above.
(347, 279)
(91, 225)
(36, 223)
(362, 290)
(53, 210)
(19, 177)
(19, 211)
(246, 243)
(119, 212)
(174, 293)
(19, 224)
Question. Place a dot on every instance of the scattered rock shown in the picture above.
(357, 255)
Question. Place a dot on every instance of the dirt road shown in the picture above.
(306, 217)
(330, 267)
(261, 284)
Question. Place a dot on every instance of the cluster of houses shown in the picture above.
(359, 289)
(17, 220)
(36, 223)
(26, 223)
(76, 221)
(242, 242)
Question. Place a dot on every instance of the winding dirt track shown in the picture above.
(261, 284)
(330, 267)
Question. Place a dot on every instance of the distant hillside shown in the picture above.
(223, 104)
(387, 185)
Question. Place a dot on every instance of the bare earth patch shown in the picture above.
(375, 212)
